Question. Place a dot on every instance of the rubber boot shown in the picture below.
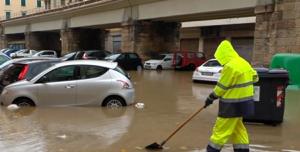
(211, 149)
(241, 150)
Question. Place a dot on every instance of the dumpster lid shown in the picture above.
(278, 71)
(261, 70)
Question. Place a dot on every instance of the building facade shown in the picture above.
(16, 8)
(50, 4)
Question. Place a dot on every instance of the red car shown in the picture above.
(188, 60)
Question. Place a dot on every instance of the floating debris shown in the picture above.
(13, 107)
(62, 136)
(140, 105)
(139, 148)
(183, 148)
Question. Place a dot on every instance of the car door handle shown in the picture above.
(70, 86)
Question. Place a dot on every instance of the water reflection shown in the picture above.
(57, 129)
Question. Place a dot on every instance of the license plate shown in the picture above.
(207, 73)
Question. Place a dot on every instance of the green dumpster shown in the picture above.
(290, 62)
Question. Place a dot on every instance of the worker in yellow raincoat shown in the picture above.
(235, 93)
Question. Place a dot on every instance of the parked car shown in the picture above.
(73, 83)
(188, 60)
(23, 53)
(86, 55)
(4, 58)
(25, 69)
(127, 60)
(163, 61)
(46, 53)
(9, 62)
(208, 71)
(10, 51)
(2, 50)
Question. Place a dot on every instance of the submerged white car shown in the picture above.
(208, 71)
(163, 61)
(77, 82)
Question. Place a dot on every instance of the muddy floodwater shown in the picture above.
(169, 97)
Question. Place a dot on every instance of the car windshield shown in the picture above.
(159, 57)
(213, 63)
(112, 57)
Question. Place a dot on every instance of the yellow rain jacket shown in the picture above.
(235, 86)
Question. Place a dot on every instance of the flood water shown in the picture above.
(169, 97)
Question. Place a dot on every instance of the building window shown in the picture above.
(62, 2)
(7, 14)
(116, 43)
(39, 3)
(23, 2)
(23, 13)
(7, 2)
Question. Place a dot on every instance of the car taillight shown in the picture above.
(85, 56)
(125, 85)
(23, 73)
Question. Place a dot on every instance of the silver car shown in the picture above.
(78, 82)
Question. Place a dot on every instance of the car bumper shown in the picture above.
(4, 99)
(150, 67)
(128, 95)
(198, 76)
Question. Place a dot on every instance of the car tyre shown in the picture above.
(192, 67)
(159, 68)
(114, 102)
(24, 102)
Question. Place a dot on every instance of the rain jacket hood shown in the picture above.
(225, 52)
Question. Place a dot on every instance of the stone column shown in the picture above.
(3, 38)
(68, 41)
(150, 37)
(277, 30)
(32, 41)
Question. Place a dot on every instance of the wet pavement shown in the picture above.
(169, 97)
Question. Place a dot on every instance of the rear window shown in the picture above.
(212, 64)
(87, 72)
(37, 68)
(133, 56)
(11, 74)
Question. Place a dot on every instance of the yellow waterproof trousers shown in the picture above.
(229, 129)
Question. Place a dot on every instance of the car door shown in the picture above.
(133, 61)
(167, 63)
(93, 85)
(58, 87)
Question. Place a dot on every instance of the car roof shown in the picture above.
(106, 64)
(36, 61)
